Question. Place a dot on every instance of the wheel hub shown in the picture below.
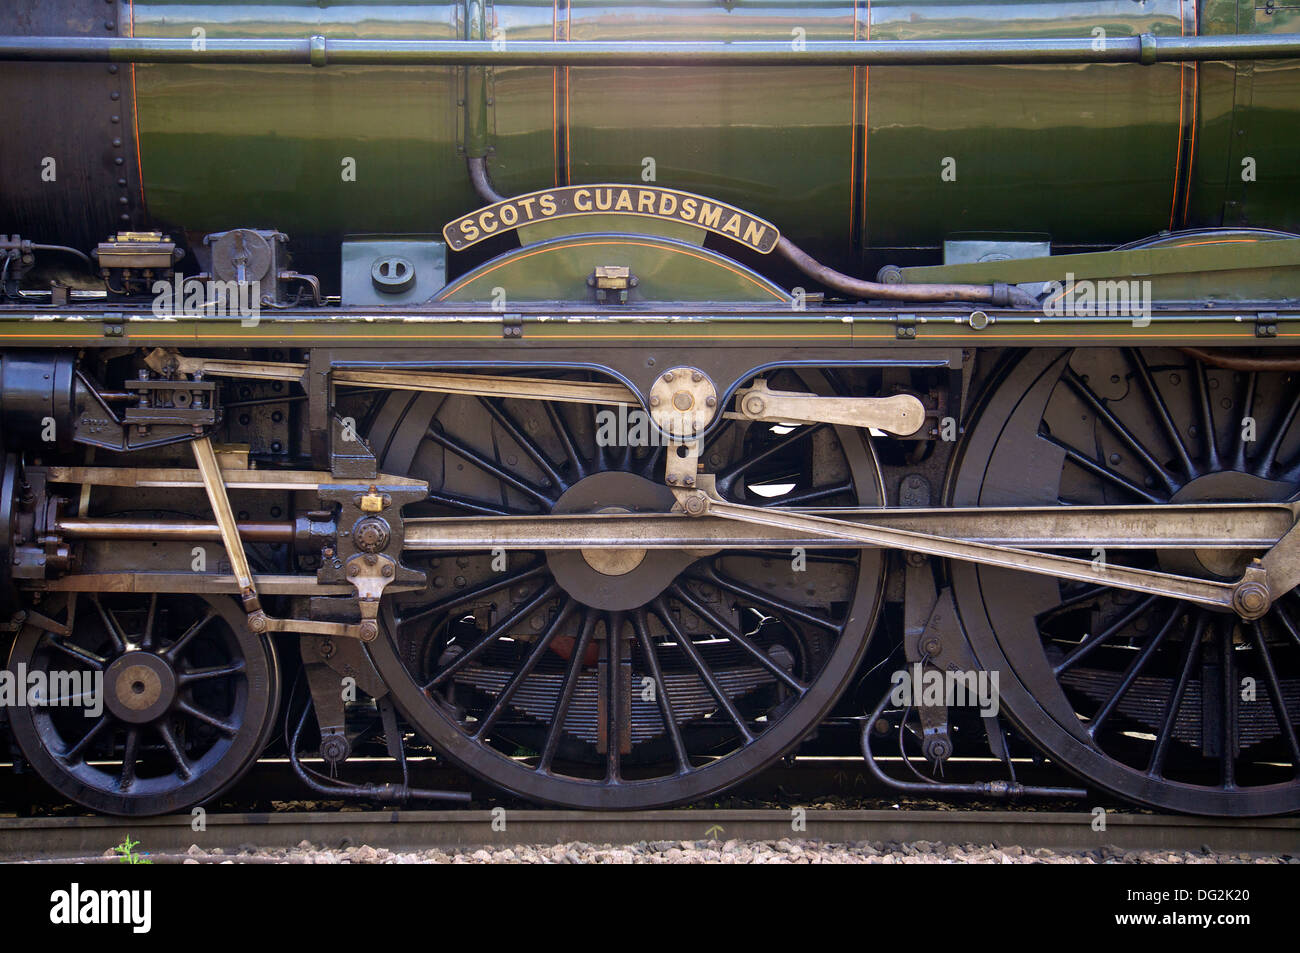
(140, 687)
(615, 579)
(1225, 486)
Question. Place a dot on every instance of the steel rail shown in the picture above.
(320, 51)
(405, 830)
(1172, 526)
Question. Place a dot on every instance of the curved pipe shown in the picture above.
(478, 174)
(66, 250)
(998, 295)
(1229, 361)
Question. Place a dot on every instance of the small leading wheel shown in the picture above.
(1161, 701)
(152, 703)
(619, 678)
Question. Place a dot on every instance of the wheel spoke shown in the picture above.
(76, 752)
(1227, 695)
(170, 742)
(1284, 723)
(562, 431)
(451, 603)
(115, 633)
(146, 640)
(566, 693)
(1130, 676)
(1212, 461)
(733, 634)
(1089, 397)
(500, 629)
(1096, 469)
(640, 628)
(173, 652)
(1287, 623)
(706, 674)
(615, 699)
(189, 676)
(1091, 642)
(198, 714)
(808, 496)
(488, 467)
(1268, 459)
(464, 503)
(711, 574)
(1247, 411)
(726, 476)
(1157, 762)
(526, 443)
(96, 662)
(1089, 593)
(535, 655)
(130, 752)
(1162, 412)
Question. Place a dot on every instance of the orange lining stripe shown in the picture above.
(1196, 90)
(555, 83)
(135, 115)
(1182, 96)
(866, 127)
(679, 251)
(568, 100)
(853, 134)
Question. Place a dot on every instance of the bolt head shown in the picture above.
(1251, 600)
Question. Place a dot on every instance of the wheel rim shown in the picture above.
(189, 695)
(530, 694)
(1166, 703)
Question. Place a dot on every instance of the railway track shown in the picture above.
(168, 839)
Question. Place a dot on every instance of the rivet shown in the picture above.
(117, 143)
(115, 119)
(110, 25)
(114, 95)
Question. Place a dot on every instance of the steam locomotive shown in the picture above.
(615, 399)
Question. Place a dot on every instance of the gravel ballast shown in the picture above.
(785, 851)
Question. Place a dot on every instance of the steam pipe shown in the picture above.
(320, 51)
(999, 295)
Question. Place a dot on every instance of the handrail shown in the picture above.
(322, 51)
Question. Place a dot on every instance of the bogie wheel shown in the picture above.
(620, 679)
(1158, 700)
(184, 698)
